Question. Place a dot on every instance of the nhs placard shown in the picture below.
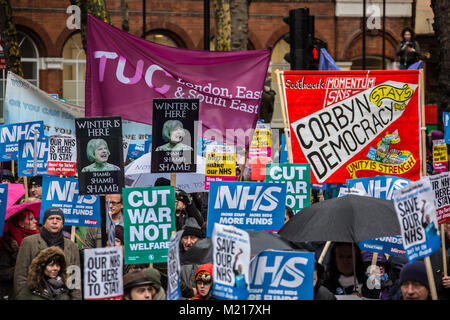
(78, 210)
(11, 134)
(246, 205)
(27, 160)
(282, 275)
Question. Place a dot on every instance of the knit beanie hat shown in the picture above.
(415, 271)
(51, 212)
(191, 227)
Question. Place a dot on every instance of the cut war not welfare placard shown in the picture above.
(149, 218)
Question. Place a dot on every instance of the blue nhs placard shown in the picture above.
(246, 205)
(79, 210)
(282, 275)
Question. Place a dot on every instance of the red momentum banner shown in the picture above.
(354, 124)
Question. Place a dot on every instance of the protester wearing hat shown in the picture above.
(192, 233)
(35, 187)
(204, 282)
(49, 235)
(138, 285)
(21, 223)
(47, 277)
(414, 281)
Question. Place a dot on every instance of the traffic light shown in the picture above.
(300, 37)
(315, 53)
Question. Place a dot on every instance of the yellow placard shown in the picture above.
(220, 164)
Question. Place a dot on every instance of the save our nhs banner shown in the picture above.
(79, 210)
(446, 118)
(282, 275)
(28, 159)
(3, 201)
(416, 213)
(246, 205)
(11, 134)
(231, 262)
(382, 187)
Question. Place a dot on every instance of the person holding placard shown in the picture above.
(47, 277)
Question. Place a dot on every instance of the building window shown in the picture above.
(74, 69)
(30, 65)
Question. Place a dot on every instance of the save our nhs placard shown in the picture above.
(28, 159)
(416, 213)
(231, 261)
(246, 205)
(282, 275)
(79, 210)
(382, 187)
(11, 134)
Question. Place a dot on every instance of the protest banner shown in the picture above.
(282, 275)
(298, 182)
(3, 205)
(135, 150)
(62, 155)
(125, 73)
(246, 205)
(355, 124)
(261, 144)
(149, 219)
(440, 157)
(11, 134)
(29, 157)
(103, 269)
(283, 150)
(220, 164)
(79, 210)
(416, 214)
(231, 260)
(380, 187)
(189, 182)
(174, 135)
(174, 267)
(99, 155)
(441, 189)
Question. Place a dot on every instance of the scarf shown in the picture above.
(52, 240)
(54, 286)
(19, 233)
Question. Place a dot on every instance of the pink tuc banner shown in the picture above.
(125, 73)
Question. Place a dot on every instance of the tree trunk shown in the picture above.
(95, 7)
(441, 9)
(10, 42)
(125, 16)
(239, 24)
(222, 22)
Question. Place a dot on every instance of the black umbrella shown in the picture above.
(202, 251)
(345, 219)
